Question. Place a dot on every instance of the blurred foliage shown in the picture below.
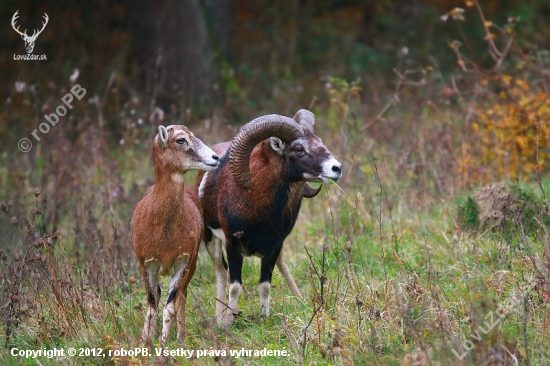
(506, 125)
(509, 137)
(417, 85)
(275, 50)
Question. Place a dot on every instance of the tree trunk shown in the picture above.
(188, 37)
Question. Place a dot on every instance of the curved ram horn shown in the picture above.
(310, 192)
(306, 119)
(253, 133)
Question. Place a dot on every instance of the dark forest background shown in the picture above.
(236, 56)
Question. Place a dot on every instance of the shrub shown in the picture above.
(509, 210)
(468, 215)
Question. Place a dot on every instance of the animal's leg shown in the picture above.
(214, 248)
(182, 300)
(235, 259)
(169, 313)
(281, 264)
(150, 273)
(264, 287)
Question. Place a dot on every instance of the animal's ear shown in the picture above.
(163, 136)
(277, 144)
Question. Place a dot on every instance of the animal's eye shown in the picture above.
(181, 141)
(299, 149)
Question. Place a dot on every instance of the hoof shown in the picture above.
(229, 318)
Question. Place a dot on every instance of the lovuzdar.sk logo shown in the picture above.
(29, 40)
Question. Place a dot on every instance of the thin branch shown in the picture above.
(304, 331)
(489, 35)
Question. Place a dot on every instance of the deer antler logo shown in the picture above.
(29, 40)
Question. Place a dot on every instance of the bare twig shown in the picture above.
(100, 104)
(304, 331)
(488, 35)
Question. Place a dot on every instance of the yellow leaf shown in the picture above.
(506, 79)
(488, 23)
(489, 36)
(522, 84)
(519, 140)
(469, 3)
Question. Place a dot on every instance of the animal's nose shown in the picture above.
(337, 168)
(215, 157)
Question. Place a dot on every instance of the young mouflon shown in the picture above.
(168, 225)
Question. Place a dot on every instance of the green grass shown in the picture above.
(383, 300)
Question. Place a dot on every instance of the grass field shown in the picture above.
(388, 275)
